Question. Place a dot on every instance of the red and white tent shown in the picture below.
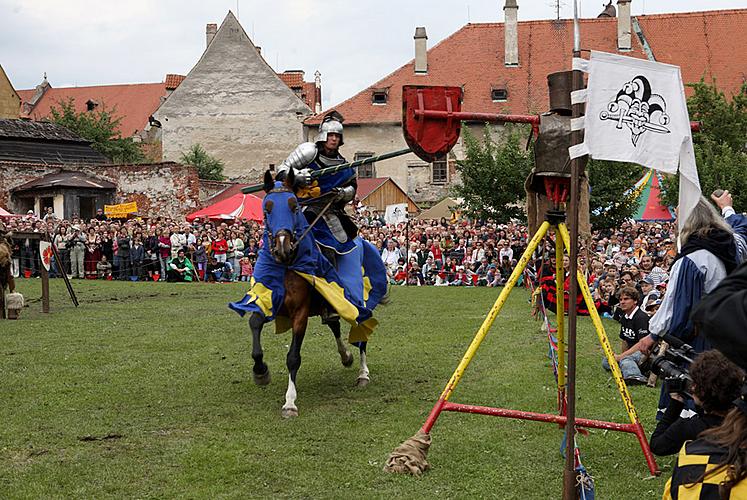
(6, 215)
(237, 207)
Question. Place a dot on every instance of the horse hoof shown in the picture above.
(262, 379)
(348, 362)
(362, 382)
(289, 412)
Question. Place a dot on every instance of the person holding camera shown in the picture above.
(714, 466)
(716, 383)
(633, 328)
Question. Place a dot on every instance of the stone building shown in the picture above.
(9, 100)
(502, 68)
(44, 165)
(235, 106)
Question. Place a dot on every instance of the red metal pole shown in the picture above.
(478, 117)
(497, 117)
(539, 417)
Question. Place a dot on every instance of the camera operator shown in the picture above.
(708, 255)
(633, 328)
(716, 383)
(715, 465)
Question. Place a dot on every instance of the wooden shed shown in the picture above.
(379, 192)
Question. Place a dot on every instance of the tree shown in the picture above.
(609, 181)
(99, 127)
(493, 178)
(492, 175)
(208, 167)
(720, 145)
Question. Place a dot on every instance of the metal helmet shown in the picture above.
(331, 124)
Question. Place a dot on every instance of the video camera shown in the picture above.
(671, 360)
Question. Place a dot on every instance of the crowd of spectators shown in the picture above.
(137, 249)
(418, 253)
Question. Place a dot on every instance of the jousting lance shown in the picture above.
(315, 174)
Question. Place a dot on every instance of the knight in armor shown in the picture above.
(335, 232)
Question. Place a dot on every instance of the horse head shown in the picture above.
(281, 212)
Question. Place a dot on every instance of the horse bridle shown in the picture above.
(296, 243)
(271, 235)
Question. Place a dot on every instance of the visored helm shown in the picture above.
(332, 124)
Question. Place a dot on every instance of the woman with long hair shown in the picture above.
(714, 466)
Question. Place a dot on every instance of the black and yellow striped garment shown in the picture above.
(695, 458)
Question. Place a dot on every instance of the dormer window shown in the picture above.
(379, 96)
(91, 105)
(499, 94)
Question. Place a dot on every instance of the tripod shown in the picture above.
(556, 220)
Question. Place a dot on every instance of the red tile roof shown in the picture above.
(368, 186)
(704, 44)
(293, 79)
(134, 103)
(473, 58)
(306, 91)
(173, 81)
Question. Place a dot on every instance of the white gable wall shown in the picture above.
(235, 106)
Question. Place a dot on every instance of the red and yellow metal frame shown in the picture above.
(443, 403)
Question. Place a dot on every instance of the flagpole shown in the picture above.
(577, 165)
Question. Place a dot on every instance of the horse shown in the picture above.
(301, 301)
(6, 277)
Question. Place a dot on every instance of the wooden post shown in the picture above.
(570, 491)
(45, 287)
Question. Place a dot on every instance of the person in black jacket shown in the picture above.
(716, 383)
(633, 328)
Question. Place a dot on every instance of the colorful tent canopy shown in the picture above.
(238, 206)
(650, 207)
(4, 213)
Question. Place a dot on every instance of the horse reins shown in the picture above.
(321, 213)
(316, 219)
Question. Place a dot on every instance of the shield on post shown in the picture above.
(427, 122)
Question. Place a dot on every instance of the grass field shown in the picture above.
(145, 391)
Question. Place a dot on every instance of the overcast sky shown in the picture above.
(353, 43)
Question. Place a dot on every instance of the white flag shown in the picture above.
(395, 214)
(636, 112)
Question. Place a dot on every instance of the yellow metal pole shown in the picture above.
(560, 314)
(497, 306)
(603, 340)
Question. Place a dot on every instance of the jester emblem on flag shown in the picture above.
(638, 108)
(636, 112)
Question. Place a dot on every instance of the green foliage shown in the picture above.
(720, 146)
(99, 127)
(208, 167)
(609, 180)
(492, 174)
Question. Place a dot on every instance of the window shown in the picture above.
(379, 96)
(439, 171)
(499, 94)
(365, 171)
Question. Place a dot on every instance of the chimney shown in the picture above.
(421, 51)
(623, 25)
(317, 92)
(511, 33)
(210, 31)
